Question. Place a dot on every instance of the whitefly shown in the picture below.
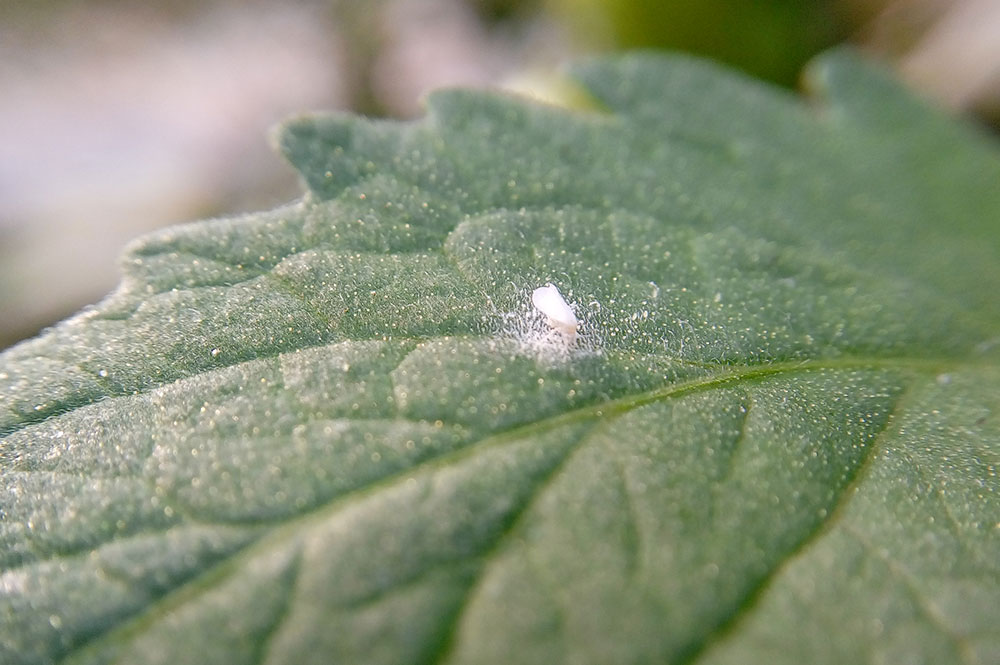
(558, 314)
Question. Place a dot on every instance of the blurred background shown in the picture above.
(119, 117)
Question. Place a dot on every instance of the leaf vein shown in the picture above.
(449, 642)
(932, 615)
(753, 597)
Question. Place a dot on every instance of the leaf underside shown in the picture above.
(336, 432)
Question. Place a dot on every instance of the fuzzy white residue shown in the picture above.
(550, 328)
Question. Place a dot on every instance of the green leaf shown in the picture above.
(338, 432)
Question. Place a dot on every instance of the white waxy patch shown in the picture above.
(557, 311)
(548, 329)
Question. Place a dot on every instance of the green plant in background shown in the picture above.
(339, 432)
(768, 39)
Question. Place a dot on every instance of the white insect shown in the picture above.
(559, 315)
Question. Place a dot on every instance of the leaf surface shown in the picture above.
(337, 431)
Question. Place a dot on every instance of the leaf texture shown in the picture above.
(337, 432)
